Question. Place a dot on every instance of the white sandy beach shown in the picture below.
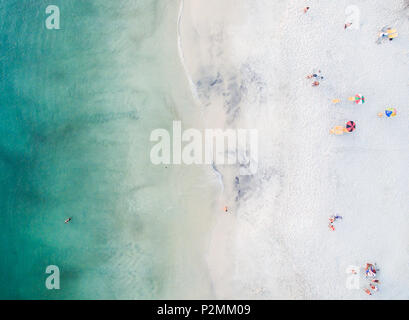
(246, 63)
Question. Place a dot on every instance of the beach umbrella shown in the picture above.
(359, 99)
(390, 112)
(350, 126)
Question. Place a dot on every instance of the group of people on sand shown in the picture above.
(332, 220)
(385, 33)
(388, 33)
(316, 77)
(371, 272)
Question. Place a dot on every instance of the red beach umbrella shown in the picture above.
(350, 126)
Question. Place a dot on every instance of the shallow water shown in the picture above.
(77, 107)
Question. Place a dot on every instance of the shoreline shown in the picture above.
(195, 37)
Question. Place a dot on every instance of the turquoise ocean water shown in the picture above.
(77, 106)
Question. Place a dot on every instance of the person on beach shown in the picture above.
(225, 209)
(389, 113)
(347, 25)
(370, 270)
(368, 292)
(306, 9)
(358, 99)
(392, 34)
(317, 77)
(68, 220)
(373, 287)
(339, 130)
(332, 219)
(387, 33)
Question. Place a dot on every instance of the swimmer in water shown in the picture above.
(68, 220)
